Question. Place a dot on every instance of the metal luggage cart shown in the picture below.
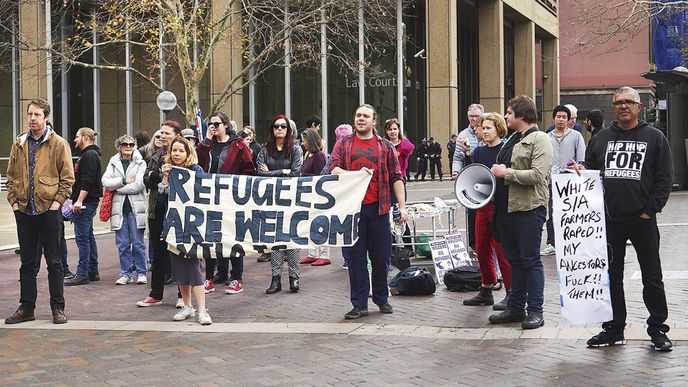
(424, 211)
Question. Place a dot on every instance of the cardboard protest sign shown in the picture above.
(581, 247)
(209, 213)
(457, 250)
(441, 258)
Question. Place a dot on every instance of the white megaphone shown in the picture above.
(475, 186)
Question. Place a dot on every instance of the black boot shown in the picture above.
(275, 285)
(293, 285)
(501, 305)
(484, 297)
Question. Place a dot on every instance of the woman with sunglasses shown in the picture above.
(212, 152)
(124, 176)
(147, 151)
(233, 159)
(281, 156)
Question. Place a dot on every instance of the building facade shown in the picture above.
(449, 54)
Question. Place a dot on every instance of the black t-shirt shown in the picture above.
(215, 153)
(501, 197)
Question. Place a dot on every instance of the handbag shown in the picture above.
(106, 206)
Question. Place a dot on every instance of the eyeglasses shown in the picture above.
(215, 124)
(280, 126)
(128, 144)
(627, 102)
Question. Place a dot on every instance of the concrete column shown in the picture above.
(227, 64)
(491, 51)
(550, 81)
(524, 58)
(33, 82)
(442, 72)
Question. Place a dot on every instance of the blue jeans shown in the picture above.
(374, 241)
(520, 234)
(129, 241)
(85, 240)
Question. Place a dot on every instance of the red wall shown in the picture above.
(613, 64)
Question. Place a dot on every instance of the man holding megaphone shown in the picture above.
(523, 165)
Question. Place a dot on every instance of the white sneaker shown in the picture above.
(141, 280)
(204, 317)
(180, 303)
(185, 313)
(548, 250)
(123, 280)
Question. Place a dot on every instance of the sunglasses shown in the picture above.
(215, 124)
(158, 136)
(278, 126)
(128, 144)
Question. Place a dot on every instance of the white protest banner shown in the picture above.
(240, 214)
(441, 257)
(457, 250)
(581, 247)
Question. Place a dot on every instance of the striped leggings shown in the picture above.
(277, 261)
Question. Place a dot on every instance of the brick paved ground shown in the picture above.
(428, 340)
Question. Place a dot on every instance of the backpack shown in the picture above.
(401, 257)
(413, 281)
(463, 279)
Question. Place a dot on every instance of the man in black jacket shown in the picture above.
(451, 148)
(435, 156)
(637, 174)
(86, 194)
(422, 158)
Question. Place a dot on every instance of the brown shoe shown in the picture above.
(59, 316)
(20, 316)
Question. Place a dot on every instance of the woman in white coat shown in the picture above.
(124, 176)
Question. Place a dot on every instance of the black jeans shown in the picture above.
(435, 163)
(63, 249)
(422, 168)
(550, 221)
(32, 230)
(161, 263)
(223, 267)
(644, 235)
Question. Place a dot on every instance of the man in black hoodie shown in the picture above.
(86, 194)
(637, 172)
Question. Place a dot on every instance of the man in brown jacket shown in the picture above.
(39, 179)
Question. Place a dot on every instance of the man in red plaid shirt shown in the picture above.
(367, 151)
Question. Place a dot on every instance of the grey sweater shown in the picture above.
(570, 146)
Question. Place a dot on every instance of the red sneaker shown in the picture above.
(236, 286)
(209, 286)
(149, 301)
(308, 260)
(321, 262)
